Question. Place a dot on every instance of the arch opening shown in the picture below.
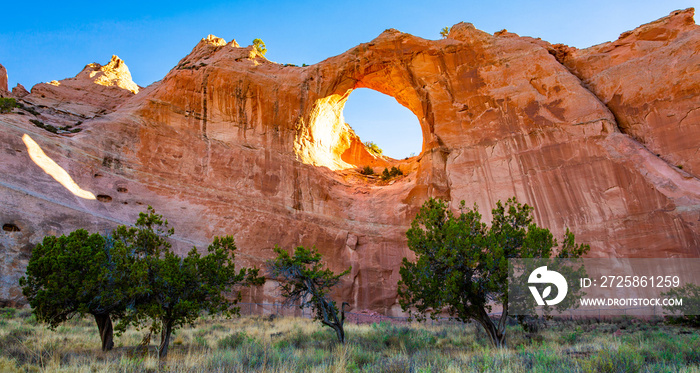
(329, 140)
(379, 119)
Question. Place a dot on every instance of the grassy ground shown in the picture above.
(258, 344)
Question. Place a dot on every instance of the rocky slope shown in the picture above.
(649, 80)
(231, 143)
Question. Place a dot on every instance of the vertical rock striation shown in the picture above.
(231, 143)
(649, 80)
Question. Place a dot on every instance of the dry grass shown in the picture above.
(258, 344)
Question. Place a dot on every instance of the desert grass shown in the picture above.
(264, 344)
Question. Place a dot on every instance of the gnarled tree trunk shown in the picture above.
(496, 333)
(104, 325)
(330, 318)
(165, 339)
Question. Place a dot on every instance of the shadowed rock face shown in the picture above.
(230, 143)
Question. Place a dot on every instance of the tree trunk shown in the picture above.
(104, 325)
(497, 338)
(165, 339)
(338, 328)
(340, 333)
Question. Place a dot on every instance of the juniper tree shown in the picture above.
(304, 280)
(689, 312)
(170, 291)
(73, 275)
(134, 275)
(461, 265)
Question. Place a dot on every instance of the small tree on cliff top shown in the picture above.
(462, 265)
(259, 46)
(444, 32)
(374, 148)
(303, 279)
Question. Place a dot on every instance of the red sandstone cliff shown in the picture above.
(3, 80)
(95, 90)
(229, 142)
(650, 80)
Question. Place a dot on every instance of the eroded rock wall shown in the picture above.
(3, 79)
(96, 90)
(230, 143)
(649, 78)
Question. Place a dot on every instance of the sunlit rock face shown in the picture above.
(649, 79)
(231, 143)
(3, 80)
(96, 90)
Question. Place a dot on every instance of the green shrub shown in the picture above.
(8, 312)
(390, 174)
(689, 313)
(367, 170)
(295, 339)
(200, 341)
(570, 338)
(546, 359)
(233, 340)
(253, 356)
(397, 337)
(29, 109)
(623, 360)
(322, 338)
(41, 124)
(7, 104)
(361, 357)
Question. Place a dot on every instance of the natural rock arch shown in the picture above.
(326, 140)
(230, 136)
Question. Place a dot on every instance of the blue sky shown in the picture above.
(55, 40)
